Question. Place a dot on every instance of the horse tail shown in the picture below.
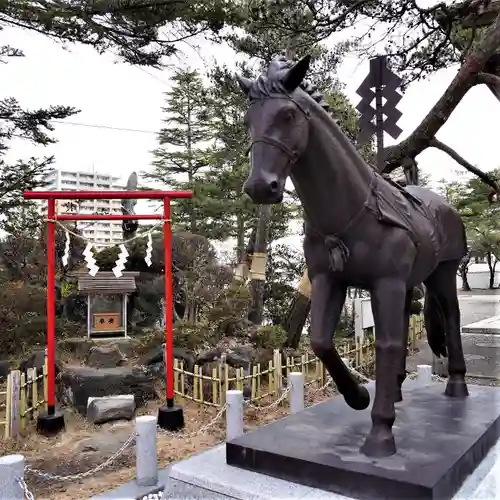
(434, 325)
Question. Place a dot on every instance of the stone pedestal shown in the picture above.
(440, 442)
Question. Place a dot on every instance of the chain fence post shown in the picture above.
(146, 464)
(424, 374)
(234, 414)
(296, 381)
(11, 475)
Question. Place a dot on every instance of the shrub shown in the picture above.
(190, 336)
(270, 336)
(193, 336)
(23, 322)
(229, 309)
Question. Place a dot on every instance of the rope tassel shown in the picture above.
(89, 259)
(120, 262)
(65, 257)
(149, 251)
(122, 256)
(338, 253)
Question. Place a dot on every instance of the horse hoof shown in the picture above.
(456, 389)
(358, 399)
(379, 444)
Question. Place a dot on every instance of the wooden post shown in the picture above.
(34, 392)
(215, 380)
(22, 402)
(15, 403)
(8, 407)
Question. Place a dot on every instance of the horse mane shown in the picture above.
(271, 82)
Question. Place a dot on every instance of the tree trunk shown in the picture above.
(464, 80)
(256, 315)
(240, 239)
(296, 319)
(189, 150)
(463, 269)
(491, 269)
(465, 281)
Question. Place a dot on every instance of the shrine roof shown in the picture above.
(105, 282)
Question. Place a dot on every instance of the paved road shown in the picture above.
(482, 351)
(479, 305)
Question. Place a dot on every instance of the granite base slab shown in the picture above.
(132, 491)
(486, 326)
(170, 489)
(440, 442)
(209, 472)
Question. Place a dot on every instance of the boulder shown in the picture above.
(237, 353)
(209, 356)
(127, 346)
(154, 359)
(79, 347)
(79, 383)
(109, 408)
(105, 357)
(4, 369)
(241, 357)
(36, 360)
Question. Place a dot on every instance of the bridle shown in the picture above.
(293, 156)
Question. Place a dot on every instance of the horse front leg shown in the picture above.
(388, 303)
(327, 300)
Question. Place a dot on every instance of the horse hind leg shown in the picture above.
(402, 368)
(442, 319)
(327, 300)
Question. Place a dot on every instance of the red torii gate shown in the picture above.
(170, 416)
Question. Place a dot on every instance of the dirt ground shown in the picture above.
(83, 447)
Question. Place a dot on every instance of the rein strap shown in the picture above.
(277, 144)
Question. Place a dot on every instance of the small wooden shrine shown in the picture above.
(107, 298)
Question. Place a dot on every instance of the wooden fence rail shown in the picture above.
(209, 386)
(25, 394)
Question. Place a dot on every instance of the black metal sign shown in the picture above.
(384, 84)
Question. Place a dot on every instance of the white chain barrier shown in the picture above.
(201, 430)
(27, 493)
(272, 405)
(91, 472)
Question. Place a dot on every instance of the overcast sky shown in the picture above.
(113, 94)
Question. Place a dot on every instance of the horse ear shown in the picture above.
(296, 74)
(244, 83)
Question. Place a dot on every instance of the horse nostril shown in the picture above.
(274, 186)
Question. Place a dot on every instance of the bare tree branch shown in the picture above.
(488, 79)
(465, 79)
(485, 177)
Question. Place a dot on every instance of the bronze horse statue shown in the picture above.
(361, 230)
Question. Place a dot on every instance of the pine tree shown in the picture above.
(140, 31)
(184, 150)
(223, 183)
(33, 126)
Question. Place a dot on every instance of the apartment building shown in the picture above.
(100, 233)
